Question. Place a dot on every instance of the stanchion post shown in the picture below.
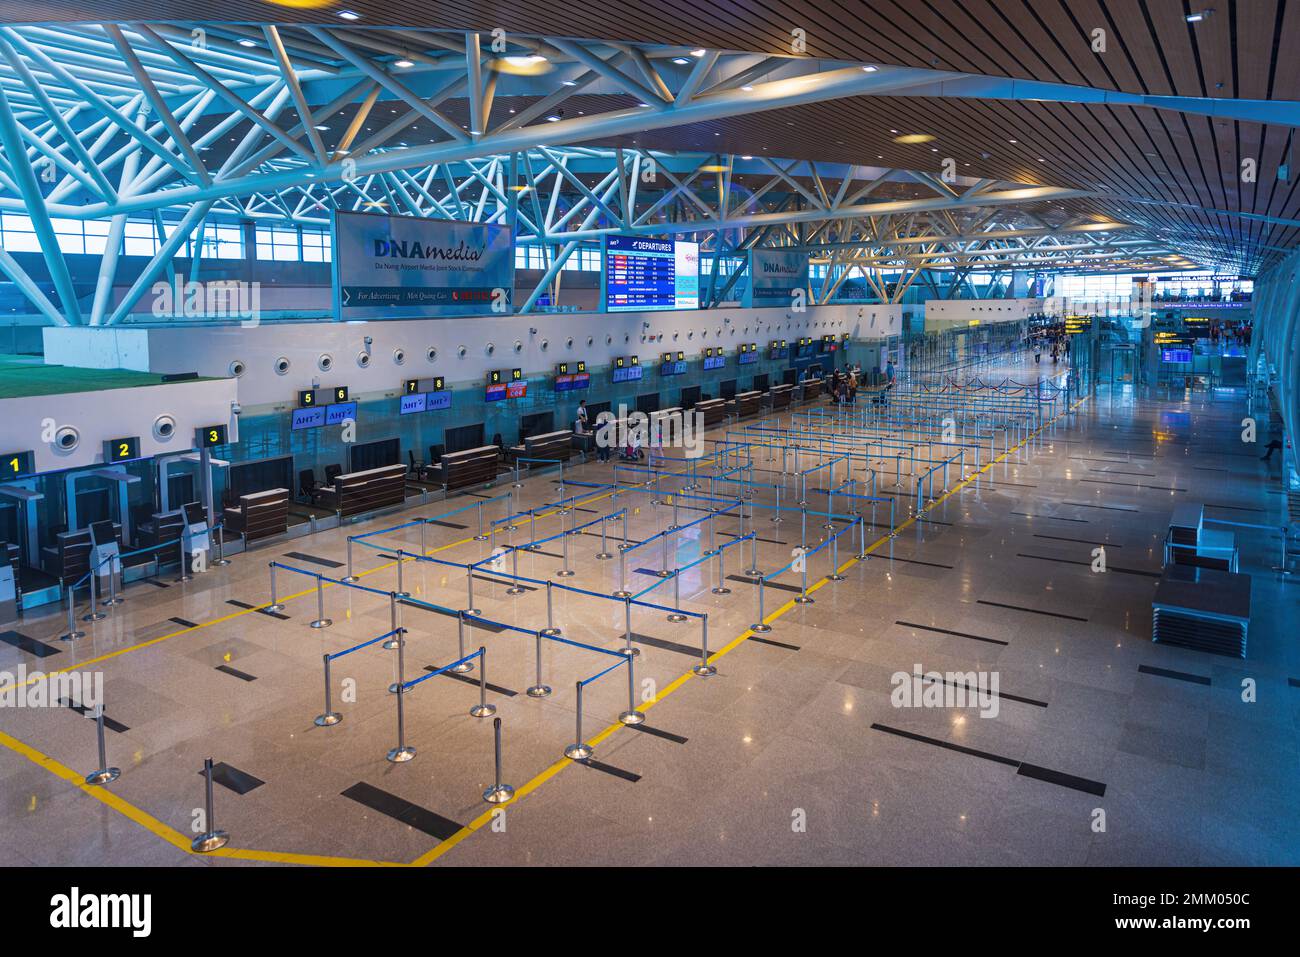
(499, 793)
(402, 753)
(579, 750)
(469, 592)
(677, 616)
(604, 553)
(321, 621)
(704, 669)
(275, 602)
(401, 589)
(221, 560)
(465, 666)
(92, 613)
(480, 537)
(211, 839)
(721, 588)
(105, 774)
(516, 588)
(627, 649)
(631, 715)
(550, 630)
(73, 633)
(329, 716)
(566, 571)
(482, 709)
(539, 689)
(835, 575)
(760, 626)
(349, 577)
(803, 598)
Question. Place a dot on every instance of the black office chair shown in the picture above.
(436, 453)
(307, 485)
(500, 442)
(332, 472)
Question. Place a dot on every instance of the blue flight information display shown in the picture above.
(642, 273)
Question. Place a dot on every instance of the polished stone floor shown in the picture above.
(1104, 749)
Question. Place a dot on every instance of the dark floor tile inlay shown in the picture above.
(456, 525)
(1062, 779)
(945, 631)
(1035, 611)
(229, 776)
(754, 581)
(665, 645)
(1027, 770)
(1178, 675)
(314, 559)
(658, 733)
(412, 815)
(81, 709)
(610, 769)
(260, 611)
(241, 675)
(1001, 694)
(1109, 508)
(183, 621)
(30, 645)
(777, 644)
(1073, 561)
(472, 680)
(1053, 518)
(911, 561)
(1077, 541)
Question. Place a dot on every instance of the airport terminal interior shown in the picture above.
(645, 433)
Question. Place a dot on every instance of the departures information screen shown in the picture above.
(643, 273)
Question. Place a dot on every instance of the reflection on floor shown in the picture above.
(1102, 748)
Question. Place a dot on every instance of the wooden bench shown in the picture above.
(466, 468)
(355, 492)
(258, 514)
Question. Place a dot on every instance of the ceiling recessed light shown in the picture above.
(322, 128)
(245, 42)
(552, 119)
(403, 63)
(568, 83)
(868, 69)
(349, 15)
(680, 60)
(698, 52)
(910, 138)
(747, 88)
(531, 59)
(747, 157)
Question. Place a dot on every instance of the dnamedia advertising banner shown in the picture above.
(406, 267)
(774, 274)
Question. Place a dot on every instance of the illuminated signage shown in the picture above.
(18, 465)
(122, 450)
(211, 436)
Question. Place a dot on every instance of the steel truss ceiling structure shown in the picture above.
(204, 121)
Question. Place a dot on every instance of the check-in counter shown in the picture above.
(712, 411)
(355, 492)
(466, 468)
(550, 445)
(779, 397)
(258, 514)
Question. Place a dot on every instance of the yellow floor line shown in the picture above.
(181, 842)
(151, 823)
(486, 817)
